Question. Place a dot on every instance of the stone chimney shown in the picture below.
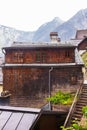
(54, 37)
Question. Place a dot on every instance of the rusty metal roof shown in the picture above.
(17, 118)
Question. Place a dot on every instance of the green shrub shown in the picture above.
(61, 98)
(84, 110)
(84, 58)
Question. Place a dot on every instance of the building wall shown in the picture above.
(83, 45)
(50, 120)
(35, 81)
(81, 34)
(44, 55)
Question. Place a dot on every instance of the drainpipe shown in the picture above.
(50, 70)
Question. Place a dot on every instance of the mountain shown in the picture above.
(25, 36)
(42, 34)
(8, 35)
(66, 30)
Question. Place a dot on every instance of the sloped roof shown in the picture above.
(78, 42)
(18, 118)
(75, 42)
(26, 45)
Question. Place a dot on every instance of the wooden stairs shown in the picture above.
(75, 112)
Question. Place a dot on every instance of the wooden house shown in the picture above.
(33, 69)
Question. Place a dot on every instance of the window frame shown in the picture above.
(18, 57)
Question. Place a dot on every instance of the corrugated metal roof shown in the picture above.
(17, 118)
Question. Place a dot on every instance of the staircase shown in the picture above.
(82, 101)
(76, 112)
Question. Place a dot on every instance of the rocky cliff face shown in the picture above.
(42, 34)
(8, 35)
(68, 29)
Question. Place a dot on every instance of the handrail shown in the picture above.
(72, 106)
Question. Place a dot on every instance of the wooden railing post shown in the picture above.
(68, 118)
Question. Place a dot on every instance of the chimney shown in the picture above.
(54, 37)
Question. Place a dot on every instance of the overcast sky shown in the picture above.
(28, 15)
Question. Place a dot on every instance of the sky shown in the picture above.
(28, 15)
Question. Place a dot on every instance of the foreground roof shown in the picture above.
(18, 118)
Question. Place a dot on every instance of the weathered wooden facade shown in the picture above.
(30, 68)
(80, 39)
(81, 34)
(83, 44)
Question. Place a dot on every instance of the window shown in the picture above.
(40, 57)
(18, 57)
(43, 57)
